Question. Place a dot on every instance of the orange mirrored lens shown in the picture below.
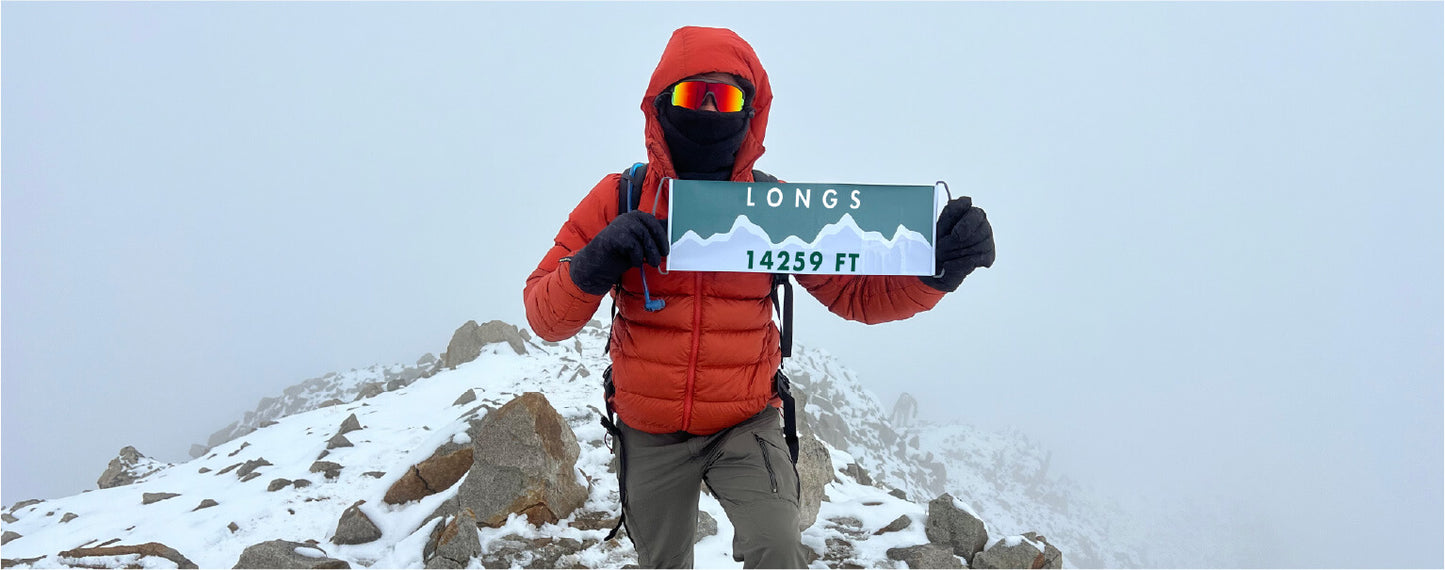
(691, 94)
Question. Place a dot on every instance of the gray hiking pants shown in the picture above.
(746, 467)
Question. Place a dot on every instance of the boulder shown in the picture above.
(524, 461)
(815, 470)
(197, 450)
(926, 556)
(330, 469)
(128, 467)
(205, 503)
(9, 518)
(1029, 551)
(453, 544)
(351, 424)
(251, 466)
(150, 549)
(467, 342)
(706, 526)
(355, 527)
(898, 524)
(950, 525)
(287, 554)
(433, 475)
(858, 473)
(370, 390)
(338, 441)
(514, 551)
(278, 484)
(9, 536)
(149, 498)
(467, 397)
(69, 517)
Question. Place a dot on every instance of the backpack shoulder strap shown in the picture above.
(629, 188)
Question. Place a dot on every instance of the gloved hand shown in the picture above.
(965, 243)
(631, 239)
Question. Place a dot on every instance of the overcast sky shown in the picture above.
(1219, 225)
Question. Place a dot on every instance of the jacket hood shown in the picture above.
(692, 51)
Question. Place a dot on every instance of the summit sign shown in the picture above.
(828, 229)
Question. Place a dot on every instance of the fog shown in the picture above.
(1219, 225)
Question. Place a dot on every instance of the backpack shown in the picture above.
(629, 194)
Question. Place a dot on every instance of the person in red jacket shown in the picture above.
(694, 381)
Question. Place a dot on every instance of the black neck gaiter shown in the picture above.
(703, 144)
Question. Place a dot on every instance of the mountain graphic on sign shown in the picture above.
(907, 252)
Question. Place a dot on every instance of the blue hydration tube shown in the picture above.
(648, 303)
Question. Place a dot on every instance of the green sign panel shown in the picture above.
(847, 229)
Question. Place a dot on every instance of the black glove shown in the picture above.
(629, 241)
(965, 243)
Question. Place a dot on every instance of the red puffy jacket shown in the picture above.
(706, 361)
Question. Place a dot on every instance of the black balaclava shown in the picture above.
(703, 144)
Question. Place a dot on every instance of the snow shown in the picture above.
(998, 477)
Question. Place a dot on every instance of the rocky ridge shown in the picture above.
(870, 480)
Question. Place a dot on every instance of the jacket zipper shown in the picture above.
(772, 477)
(692, 359)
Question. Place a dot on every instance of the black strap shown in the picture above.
(784, 388)
(609, 422)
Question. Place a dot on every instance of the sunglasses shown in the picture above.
(690, 95)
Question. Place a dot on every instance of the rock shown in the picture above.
(433, 475)
(228, 469)
(332, 470)
(706, 526)
(954, 527)
(513, 551)
(524, 461)
(599, 520)
(198, 450)
(815, 470)
(338, 441)
(205, 504)
(7, 517)
(155, 549)
(1027, 551)
(905, 411)
(69, 517)
(374, 474)
(233, 528)
(278, 484)
(329, 403)
(287, 554)
(301, 483)
(858, 474)
(9, 536)
(355, 527)
(370, 390)
(898, 524)
(467, 397)
(268, 423)
(13, 562)
(25, 503)
(426, 360)
(926, 556)
(454, 544)
(251, 466)
(351, 424)
(128, 467)
(468, 340)
(898, 493)
(149, 498)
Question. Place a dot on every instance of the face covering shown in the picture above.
(703, 144)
